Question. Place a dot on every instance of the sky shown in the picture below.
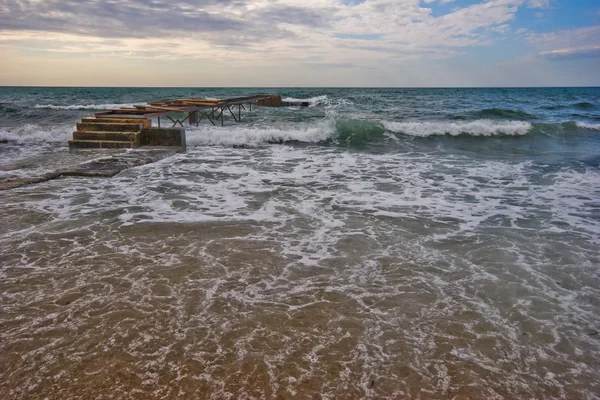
(299, 43)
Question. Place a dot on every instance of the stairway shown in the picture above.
(108, 133)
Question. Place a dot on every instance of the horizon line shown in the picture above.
(298, 87)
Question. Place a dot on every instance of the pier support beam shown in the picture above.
(193, 118)
(164, 137)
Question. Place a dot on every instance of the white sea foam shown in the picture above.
(252, 136)
(482, 127)
(37, 134)
(313, 101)
(343, 238)
(86, 106)
(588, 126)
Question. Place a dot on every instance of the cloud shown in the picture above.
(149, 18)
(571, 53)
(539, 3)
(365, 33)
(251, 19)
(567, 44)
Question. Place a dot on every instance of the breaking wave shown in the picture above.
(312, 101)
(31, 133)
(344, 132)
(484, 127)
(584, 125)
(347, 132)
(253, 136)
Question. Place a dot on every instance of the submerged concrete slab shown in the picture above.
(108, 127)
(97, 143)
(107, 136)
(146, 123)
(104, 167)
(110, 166)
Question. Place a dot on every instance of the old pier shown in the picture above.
(156, 128)
(131, 127)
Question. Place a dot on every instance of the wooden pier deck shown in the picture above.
(130, 127)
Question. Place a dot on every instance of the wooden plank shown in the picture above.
(122, 111)
(200, 100)
(160, 108)
(200, 104)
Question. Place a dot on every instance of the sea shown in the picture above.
(377, 244)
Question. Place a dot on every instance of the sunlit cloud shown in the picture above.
(362, 34)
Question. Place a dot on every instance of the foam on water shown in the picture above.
(588, 126)
(86, 106)
(299, 263)
(313, 101)
(252, 136)
(37, 134)
(482, 127)
(243, 269)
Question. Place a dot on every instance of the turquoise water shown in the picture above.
(381, 243)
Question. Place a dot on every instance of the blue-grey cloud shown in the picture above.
(156, 18)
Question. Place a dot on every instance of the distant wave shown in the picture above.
(84, 106)
(586, 116)
(584, 106)
(494, 113)
(554, 107)
(484, 127)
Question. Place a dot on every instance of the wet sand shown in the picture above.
(200, 277)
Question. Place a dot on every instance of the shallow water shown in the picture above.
(379, 250)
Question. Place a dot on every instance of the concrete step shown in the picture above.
(108, 127)
(101, 144)
(107, 136)
(146, 123)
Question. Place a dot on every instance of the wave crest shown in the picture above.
(312, 101)
(253, 136)
(35, 134)
(484, 127)
(584, 125)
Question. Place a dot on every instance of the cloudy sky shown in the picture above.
(300, 42)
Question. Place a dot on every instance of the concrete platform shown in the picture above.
(108, 127)
(104, 167)
(108, 136)
(102, 144)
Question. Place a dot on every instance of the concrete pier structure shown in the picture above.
(131, 127)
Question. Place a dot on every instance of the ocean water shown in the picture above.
(381, 243)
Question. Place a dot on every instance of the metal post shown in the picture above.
(239, 112)
(193, 118)
(159, 122)
(222, 112)
(232, 114)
